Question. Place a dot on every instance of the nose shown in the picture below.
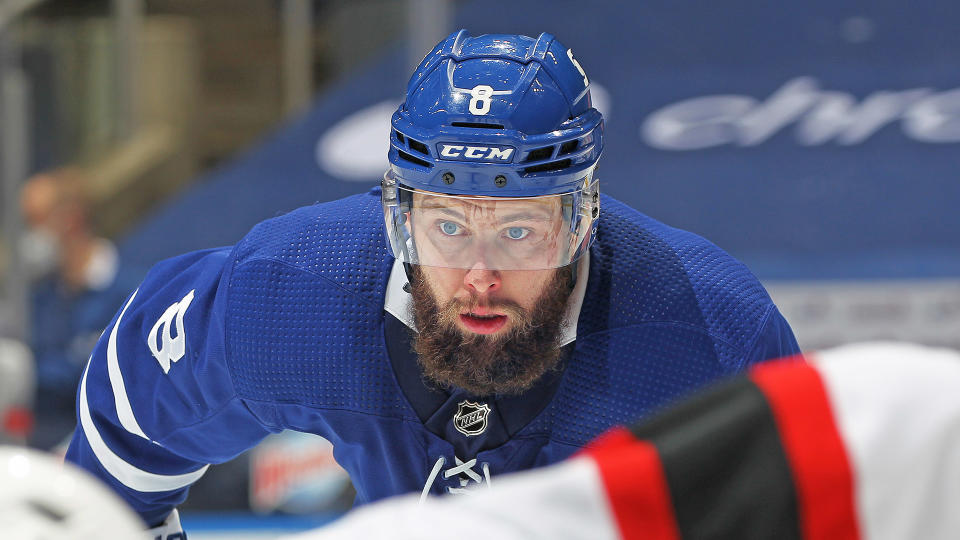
(481, 279)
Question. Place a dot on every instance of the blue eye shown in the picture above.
(449, 228)
(517, 233)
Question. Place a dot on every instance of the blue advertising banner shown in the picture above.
(813, 140)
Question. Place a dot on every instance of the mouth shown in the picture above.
(483, 322)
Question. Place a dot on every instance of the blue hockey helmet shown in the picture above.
(492, 156)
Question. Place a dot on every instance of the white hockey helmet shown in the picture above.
(42, 498)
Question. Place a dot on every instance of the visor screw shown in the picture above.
(500, 180)
(448, 178)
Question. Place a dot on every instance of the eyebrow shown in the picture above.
(523, 215)
(526, 216)
(445, 210)
(537, 213)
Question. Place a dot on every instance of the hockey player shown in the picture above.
(513, 314)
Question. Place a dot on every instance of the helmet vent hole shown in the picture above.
(418, 146)
(399, 136)
(540, 153)
(476, 125)
(407, 157)
(569, 146)
(546, 167)
(47, 511)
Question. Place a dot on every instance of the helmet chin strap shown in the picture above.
(408, 270)
(574, 268)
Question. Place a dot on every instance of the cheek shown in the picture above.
(526, 287)
(443, 282)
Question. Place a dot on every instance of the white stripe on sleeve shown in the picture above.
(124, 410)
(130, 476)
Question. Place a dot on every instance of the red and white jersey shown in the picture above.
(862, 441)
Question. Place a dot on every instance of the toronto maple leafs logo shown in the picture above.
(471, 418)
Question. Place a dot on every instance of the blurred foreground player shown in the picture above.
(862, 442)
(41, 498)
(542, 319)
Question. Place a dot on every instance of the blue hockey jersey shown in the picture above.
(287, 330)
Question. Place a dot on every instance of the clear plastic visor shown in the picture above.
(496, 233)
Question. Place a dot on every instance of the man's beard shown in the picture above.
(508, 362)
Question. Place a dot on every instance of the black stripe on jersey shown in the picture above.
(725, 465)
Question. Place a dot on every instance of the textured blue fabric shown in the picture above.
(286, 331)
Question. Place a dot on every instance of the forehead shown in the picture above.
(534, 205)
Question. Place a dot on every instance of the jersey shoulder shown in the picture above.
(341, 241)
(304, 323)
(668, 274)
(665, 312)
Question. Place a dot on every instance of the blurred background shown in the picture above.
(817, 141)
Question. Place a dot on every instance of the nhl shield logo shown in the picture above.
(471, 418)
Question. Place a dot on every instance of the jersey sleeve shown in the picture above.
(156, 403)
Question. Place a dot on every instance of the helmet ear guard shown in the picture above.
(585, 228)
(394, 215)
(397, 205)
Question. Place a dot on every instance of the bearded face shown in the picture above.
(488, 332)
